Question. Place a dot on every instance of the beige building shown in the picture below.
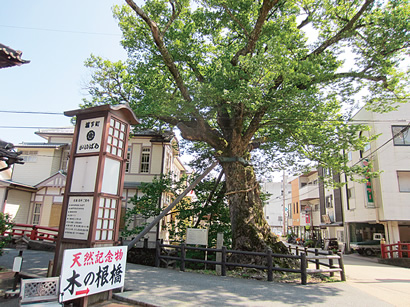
(34, 193)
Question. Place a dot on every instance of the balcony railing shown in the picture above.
(309, 192)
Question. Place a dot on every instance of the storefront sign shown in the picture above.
(307, 218)
(88, 271)
(78, 218)
(89, 138)
(369, 189)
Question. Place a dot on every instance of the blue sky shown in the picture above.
(57, 37)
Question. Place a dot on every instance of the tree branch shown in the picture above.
(174, 15)
(194, 131)
(342, 33)
(236, 20)
(254, 125)
(254, 36)
(169, 62)
(198, 75)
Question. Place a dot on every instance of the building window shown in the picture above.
(349, 156)
(327, 172)
(403, 178)
(145, 157)
(350, 193)
(366, 147)
(401, 136)
(29, 156)
(127, 163)
(36, 214)
(329, 201)
(65, 160)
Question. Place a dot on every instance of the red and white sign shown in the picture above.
(88, 271)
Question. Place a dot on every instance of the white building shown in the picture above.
(273, 208)
(381, 204)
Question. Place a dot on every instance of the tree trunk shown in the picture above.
(250, 231)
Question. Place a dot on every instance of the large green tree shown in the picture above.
(236, 75)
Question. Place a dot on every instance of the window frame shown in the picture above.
(128, 161)
(396, 135)
(329, 201)
(29, 156)
(398, 181)
(36, 215)
(145, 165)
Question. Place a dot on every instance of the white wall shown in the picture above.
(274, 207)
(34, 172)
(18, 204)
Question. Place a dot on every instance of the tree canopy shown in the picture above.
(278, 75)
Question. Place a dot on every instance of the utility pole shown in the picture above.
(284, 222)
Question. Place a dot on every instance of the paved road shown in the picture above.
(369, 284)
(386, 282)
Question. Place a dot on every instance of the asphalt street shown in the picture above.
(369, 284)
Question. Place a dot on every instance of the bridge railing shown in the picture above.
(33, 232)
(395, 250)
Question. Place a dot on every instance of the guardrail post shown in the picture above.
(33, 234)
(270, 265)
(182, 257)
(297, 250)
(383, 250)
(317, 260)
(399, 249)
(290, 248)
(303, 269)
(223, 265)
(158, 254)
(331, 264)
(341, 265)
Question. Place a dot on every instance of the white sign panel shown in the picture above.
(87, 271)
(77, 223)
(111, 176)
(89, 138)
(197, 236)
(84, 174)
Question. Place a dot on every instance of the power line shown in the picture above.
(60, 31)
(32, 112)
(271, 120)
(33, 127)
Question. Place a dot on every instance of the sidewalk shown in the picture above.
(151, 286)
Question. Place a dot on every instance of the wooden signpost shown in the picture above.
(92, 197)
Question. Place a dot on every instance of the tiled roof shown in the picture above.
(10, 57)
(18, 184)
(166, 136)
(60, 130)
(41, 145)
